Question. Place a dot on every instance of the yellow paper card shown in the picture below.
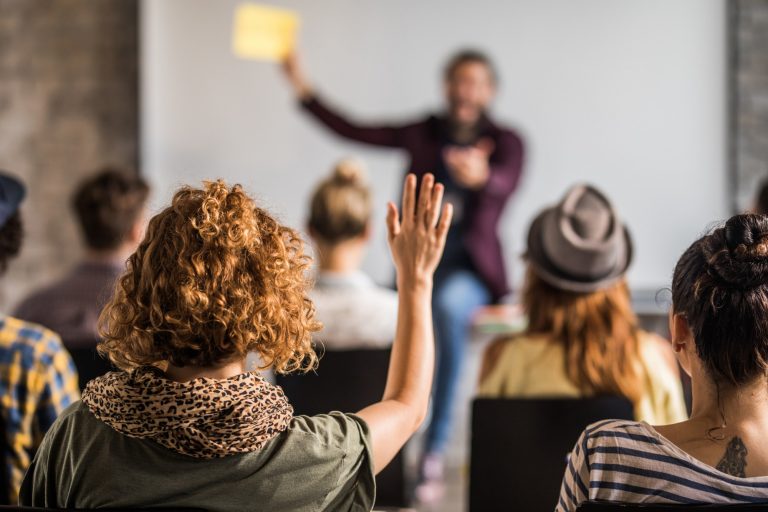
(264, 32)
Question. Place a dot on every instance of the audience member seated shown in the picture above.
(110, 209)
(355, 313)
(719, 325)
(582, 337)
(37, 377)
(185, 425)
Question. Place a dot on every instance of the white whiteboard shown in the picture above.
(629, 95)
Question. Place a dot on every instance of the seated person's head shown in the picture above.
(575, 292)
(214, 278)
(340, 214)
(720, 304)
(12, 192)
(110, 207)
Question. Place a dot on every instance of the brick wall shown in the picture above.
(748, 81)
(68, 104)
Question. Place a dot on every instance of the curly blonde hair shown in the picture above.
(214, 278)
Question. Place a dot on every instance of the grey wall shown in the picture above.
(748, 23)
(629, 95)
(68, 104)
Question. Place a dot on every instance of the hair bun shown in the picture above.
(746, 237)
(743, 262)
(350, 171)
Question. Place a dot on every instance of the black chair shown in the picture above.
(519, 448)
(606, 506)
(347, 381)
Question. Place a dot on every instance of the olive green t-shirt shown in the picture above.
(319, 463)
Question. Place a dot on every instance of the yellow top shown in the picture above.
(531, 366)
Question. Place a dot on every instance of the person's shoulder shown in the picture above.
(40, 300)
(617, 431)
(520, 342)
(333, 431)
(75, 422)
(17, 334)
(505, 349)
(503, 131)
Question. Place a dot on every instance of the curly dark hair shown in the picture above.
(108, 205)
(720, 284)
(214, 278)
(11, 237)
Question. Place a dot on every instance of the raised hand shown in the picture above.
(417, 240)
(295, 75)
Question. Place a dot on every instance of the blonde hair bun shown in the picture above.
(350, 171)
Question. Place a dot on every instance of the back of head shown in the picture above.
(108, 205)
(215, 277)
(576, 294)
(720, 284)
(340, 208)
(598, 331)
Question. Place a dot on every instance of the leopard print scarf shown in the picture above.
(203, 418)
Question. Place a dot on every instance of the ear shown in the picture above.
(682, 339)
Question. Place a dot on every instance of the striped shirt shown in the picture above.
(627, 461)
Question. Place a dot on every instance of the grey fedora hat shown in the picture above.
(580, 244)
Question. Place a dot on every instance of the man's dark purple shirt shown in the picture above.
(424, 140)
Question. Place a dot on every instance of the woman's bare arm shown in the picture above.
(416, 243)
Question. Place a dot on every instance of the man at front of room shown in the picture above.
(480, 164)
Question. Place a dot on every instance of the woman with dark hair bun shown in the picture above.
(719, 326)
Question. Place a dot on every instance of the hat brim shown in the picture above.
(543, 267)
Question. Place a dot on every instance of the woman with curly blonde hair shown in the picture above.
(184, 424)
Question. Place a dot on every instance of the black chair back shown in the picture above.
(347, 381)
(519, 448)
(605, 506)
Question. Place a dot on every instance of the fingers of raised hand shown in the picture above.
(393, 221)
(425, 199)
(409, 199)
(445, 223)
(434, 208)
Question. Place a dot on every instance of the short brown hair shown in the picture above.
(340, 208)
(720, 285)
(214, 278)
(108, 205)
(467, 56)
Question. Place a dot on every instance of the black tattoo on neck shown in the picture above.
(734, 462)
